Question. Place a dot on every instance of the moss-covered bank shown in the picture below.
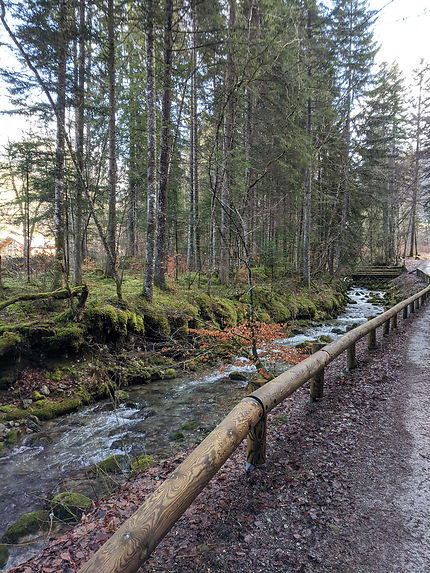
(107, 347)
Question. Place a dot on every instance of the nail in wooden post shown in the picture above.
(351, 361)
(317, 382)
(386, 328)
(256, 438)
(394, 321)
(405, 312)
(371, 337)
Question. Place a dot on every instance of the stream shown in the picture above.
(52, 460)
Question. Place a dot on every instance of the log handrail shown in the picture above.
(134, 541)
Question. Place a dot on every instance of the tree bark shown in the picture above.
(148, 286)
(308, 177)
(161, 233)
(80, 99)
(224, 260)
(60, 144)
(111, 227)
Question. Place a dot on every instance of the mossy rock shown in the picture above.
(68, 338)
(36, 396)
(307, 308)
(305, 344)
(69, 506)
(224, 311)
(272, 303)
(140, 463)
(47, 409)
(111, 465)
(169, 374)
(8, 342)
(105, 323)
(135, 373)
(256, 382)
(25, 525)
(192, 425)
(323, 339)
(177, 437)
(4, 555)
(237, 376)
(11, 438)
(157, 325)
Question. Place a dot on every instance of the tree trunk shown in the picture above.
(60, 145)
(148, 285)
(224, 260)
(111, 228)
(308, 177)
(80, 98)
(161, 235)
(193, 248)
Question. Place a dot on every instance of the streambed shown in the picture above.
(53, 459)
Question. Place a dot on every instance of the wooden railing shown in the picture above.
(134, 541)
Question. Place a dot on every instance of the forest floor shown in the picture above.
(345, 487)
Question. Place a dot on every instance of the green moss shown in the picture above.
(64, 317)
(177, 437)
(4, 555)
(169, 373)
(307, 308)
(111, 465)
(135, 373)
(36, 396)
(8, 342)
(105, 323)
(11, 438)
(305, 344)
(68, 338)
(135, 322)
(192, 425)
(140, 463)
(325, 339)
(1, 448)
(69, 506)
(225, 312)
(47, 409)
(237, 376)
(25, 525)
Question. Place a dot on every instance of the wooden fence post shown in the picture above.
(405, 312)
(371, 337)
(412, 307)
(351, 361)
(386, 328)
(317, 382)
(394, 321)
(256, 438)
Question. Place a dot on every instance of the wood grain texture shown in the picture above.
(128, 548)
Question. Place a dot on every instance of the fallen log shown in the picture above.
(80, 291)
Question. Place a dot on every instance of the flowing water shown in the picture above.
(47, 461)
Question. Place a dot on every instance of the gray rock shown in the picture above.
(26, 403)
(44, 390)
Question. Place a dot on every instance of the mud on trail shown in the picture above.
(345, 487)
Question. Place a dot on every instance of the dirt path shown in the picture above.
(345, 489)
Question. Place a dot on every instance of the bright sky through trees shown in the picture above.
(402, 29)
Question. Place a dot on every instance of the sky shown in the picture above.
(402, 28)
